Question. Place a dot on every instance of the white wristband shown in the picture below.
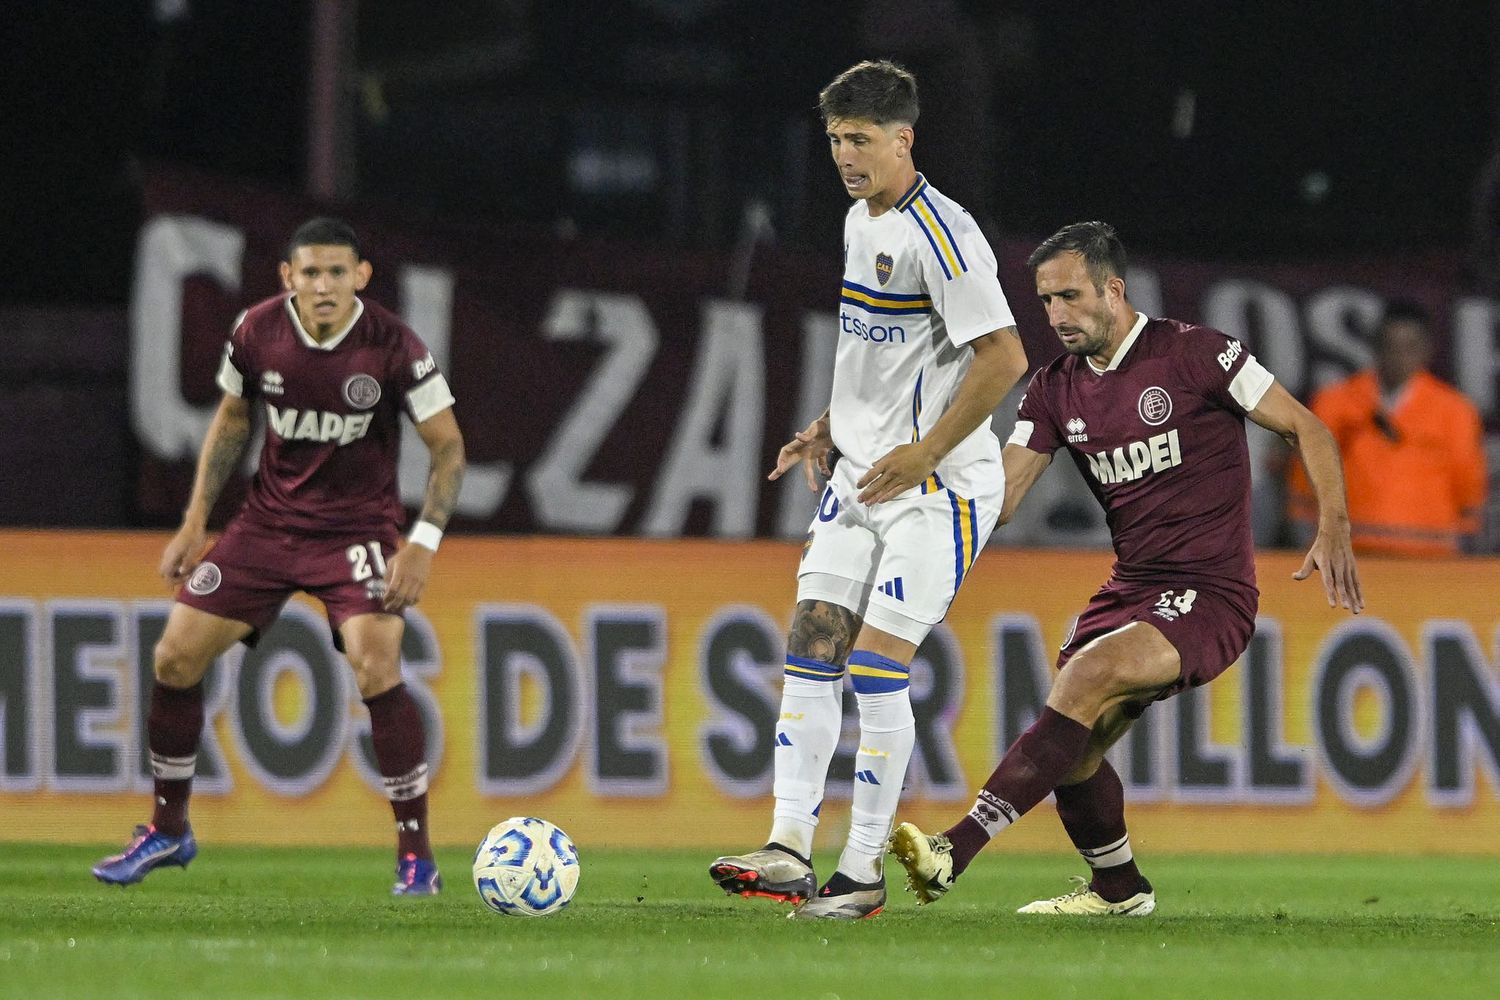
(425, 534)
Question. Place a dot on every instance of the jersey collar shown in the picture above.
(1125, 346)
(917, 187)
(331, 342)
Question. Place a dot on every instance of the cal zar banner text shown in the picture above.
(612, 389)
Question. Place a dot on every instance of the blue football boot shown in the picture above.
(149, 850)
(417, 877)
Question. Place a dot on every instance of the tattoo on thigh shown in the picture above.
(822, 631)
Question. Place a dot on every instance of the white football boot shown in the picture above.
(928, 861)
(1085, 902)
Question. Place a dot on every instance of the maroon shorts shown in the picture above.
(253, 568)
(1209, 628)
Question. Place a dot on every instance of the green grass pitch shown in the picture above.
(245, 922)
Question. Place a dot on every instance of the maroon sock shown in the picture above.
(400, 741)
(173, 728)
(1040, 758)
(1093, 813)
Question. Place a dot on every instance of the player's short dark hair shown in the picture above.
(876, 90)
(1404, 311)
(1096, 242)
(324, 231)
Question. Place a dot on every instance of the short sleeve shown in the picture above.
(1035, 428)
(1223, 370)
(418, 378)
(959, 270)
(235, 365)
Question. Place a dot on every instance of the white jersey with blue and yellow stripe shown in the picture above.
(919, 283)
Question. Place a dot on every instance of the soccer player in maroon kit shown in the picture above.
(1152, 411)
(333, 374)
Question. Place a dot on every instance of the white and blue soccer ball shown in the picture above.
(526, 867)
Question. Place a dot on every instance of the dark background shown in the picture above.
(1212, 131)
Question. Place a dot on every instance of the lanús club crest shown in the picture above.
(361, 391)
(884, 265)
(205, 579)
(1154, 406)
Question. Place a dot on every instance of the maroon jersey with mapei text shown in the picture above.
(332, 410)
(1159, 436)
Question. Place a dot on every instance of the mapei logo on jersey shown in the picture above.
(320, 426)
(885, 264)
(271, 384)
(1227, 356)
(1077, 430)
(1130, 462)
(1154, 406)
(423, 367)
(361, 391)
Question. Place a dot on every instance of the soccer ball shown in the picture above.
(527, 867)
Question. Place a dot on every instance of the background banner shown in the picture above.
(639, 390)
(628, 691)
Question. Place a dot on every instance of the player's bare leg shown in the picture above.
(821, 637)
(190, 643)
(1132, 663)
(372, 643)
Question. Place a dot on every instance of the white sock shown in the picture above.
(1110, 855)
(812, 712)
(887, 733)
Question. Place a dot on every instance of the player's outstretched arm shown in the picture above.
(1023, 467)
(411, 566)
(217, 461)
(999, 362)
(809, 447)
(1331, 554)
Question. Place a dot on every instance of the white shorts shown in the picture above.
(898, 564)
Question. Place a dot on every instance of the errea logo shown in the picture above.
(1077, 430)
(271, 384)
(1227, 356)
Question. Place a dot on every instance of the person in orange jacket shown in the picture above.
(1412, 445)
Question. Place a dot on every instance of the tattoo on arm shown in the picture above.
(822, 631)
(443, 482)
(221, 454)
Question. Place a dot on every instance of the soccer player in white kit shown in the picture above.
(927, 349)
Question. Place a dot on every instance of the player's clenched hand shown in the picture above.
(901, 468)
(809, 446)
(1332, 556)
(180, 557)
(407, 576)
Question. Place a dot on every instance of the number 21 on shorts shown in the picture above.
(366, 561)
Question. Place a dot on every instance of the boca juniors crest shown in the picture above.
(884, 264)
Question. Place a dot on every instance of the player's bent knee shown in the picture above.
(1091, 685)
(1099, 674)
(823, 631)
(177, 665)
(375, 675)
